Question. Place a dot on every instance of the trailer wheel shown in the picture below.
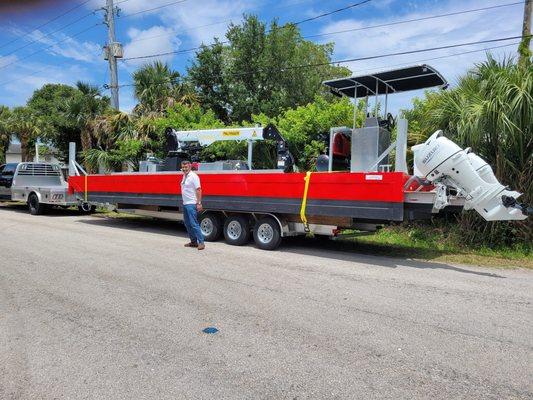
(35, 206)
(237, 230)
(211, 226)
(267, 235)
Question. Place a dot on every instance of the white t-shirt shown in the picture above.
(189, 183)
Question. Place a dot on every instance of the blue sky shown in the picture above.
(190, 23)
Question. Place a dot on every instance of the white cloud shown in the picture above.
(134, 6)
(19, 81)
(208, 14)
(154, 40)
(200, 21)
(5, 61)
(64, 45)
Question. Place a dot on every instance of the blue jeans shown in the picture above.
(190, 219)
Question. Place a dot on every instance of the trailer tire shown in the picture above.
(267, 235)
(35, 206)
(237, 230)
(211, 226)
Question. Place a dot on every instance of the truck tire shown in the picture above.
(267, 235)
(35, 206)
(211, 226)
(237, 230)
(86, 208)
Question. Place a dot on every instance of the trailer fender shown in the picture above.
(283, 226)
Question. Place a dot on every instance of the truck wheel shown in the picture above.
(86, 208)
(237, 230)
(267, 235)
(35, 206)
(211, 226)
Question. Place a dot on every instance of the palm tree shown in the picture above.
(27, 127)
(5, 131)
(84, 108)
(120, 140)
(157, 86)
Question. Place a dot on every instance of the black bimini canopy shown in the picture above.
(387, 82)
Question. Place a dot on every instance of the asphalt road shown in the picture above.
(96, 308)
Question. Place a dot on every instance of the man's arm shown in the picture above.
(199, 199)
(199, 195)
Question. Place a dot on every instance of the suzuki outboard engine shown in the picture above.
(443, 162)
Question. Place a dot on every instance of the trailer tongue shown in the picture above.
(272, 204)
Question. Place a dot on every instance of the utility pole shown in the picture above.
(523, 50)
(112, 51)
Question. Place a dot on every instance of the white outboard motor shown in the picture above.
(483, 169)
(443, 162)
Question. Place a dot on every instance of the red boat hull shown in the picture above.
(368, 196)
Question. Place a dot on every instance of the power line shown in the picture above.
(52, 45)
(225, 41)
(211, 24)
(48, 34)
(56, 30)
(440, 57)
(181, 30)
(152, 9)
(46, 23)
(28, 75)
(332, 12)
(400, 53)
(50, 66)
(361, 70)
(337, 32)
(183, 1)
(414, 20)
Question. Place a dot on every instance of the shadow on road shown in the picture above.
(145, 224)
(371, 254)
(327, 249)
(50, 212)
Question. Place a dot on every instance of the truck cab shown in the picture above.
(7, 172)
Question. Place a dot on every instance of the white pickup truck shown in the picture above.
(39, 185)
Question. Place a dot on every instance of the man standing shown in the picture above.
(191, 194)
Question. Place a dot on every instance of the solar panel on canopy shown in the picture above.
(394, 81)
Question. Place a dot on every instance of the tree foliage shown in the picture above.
(306, 128)
(157, 87)
(84, 108)
(260, 70)
(25, 124)
(51, 105)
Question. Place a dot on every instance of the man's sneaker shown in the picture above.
(201, 246)
(191, 244)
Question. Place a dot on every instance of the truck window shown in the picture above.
(9, 169)
(2, 169)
